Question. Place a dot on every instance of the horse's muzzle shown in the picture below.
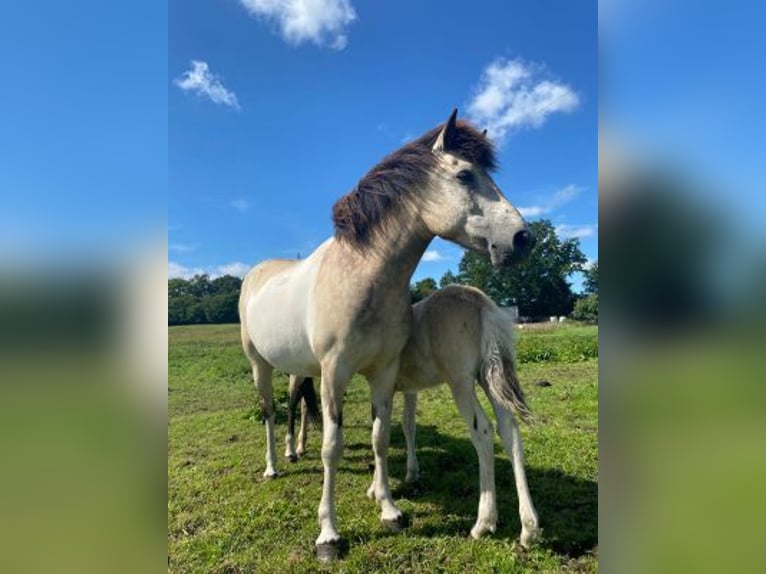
(522, 244)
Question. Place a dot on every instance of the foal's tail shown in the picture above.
(498, 371)
(305, 390)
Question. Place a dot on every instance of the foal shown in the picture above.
(459, 336)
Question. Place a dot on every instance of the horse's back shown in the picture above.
(445, 342)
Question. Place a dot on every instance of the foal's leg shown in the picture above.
(303, 433)
(334, 381)
(262, 376)
(382, 390)
(481, 437)
(511, 437)
(294, 387)
(408, 425)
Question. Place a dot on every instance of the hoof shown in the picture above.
(269, 474)
(329, 551)
(395, 526)
(292, 457)
(529, 537)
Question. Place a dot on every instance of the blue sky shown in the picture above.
(274, 113)
(276, 109)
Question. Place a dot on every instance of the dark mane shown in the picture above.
(388, 185)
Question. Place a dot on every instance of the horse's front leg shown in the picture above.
(382, 391)
(408, 425)
(514, 449)
(481, 436)
(333, 389)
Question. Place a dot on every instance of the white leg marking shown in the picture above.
(480, 430)
(333, 390)
(262, 377)
(512, 443)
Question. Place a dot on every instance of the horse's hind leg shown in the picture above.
(511, 437)
(303, 433)
(294, 394)
(480, 430)
(408, 425)
(262, 378)
(262, 372)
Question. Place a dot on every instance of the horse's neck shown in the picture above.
(393, 257)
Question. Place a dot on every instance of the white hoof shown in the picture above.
(270, 473)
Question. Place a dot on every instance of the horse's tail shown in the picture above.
(305, 390)
(498, 370)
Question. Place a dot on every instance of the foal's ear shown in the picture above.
(484, 132)
(444, 141)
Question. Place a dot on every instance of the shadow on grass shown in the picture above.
(567, 506)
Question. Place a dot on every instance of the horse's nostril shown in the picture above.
(523, 240)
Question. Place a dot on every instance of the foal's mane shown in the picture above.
(388, 186)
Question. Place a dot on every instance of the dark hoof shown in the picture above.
(395, 526)
(330, 551)
(542, 383)
(292, 458)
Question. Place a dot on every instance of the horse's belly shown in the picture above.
(276, 324)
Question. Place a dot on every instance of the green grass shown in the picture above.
(223, 517)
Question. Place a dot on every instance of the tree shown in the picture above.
(538, 286)
(448, 278)
(422, 289)
(591, 278)
(200, 300)
(586, 309)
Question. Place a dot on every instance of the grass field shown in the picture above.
(224, 517)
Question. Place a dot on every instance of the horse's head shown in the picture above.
(465, 205)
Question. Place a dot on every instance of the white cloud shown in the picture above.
(533, 211)
(235, 268)
(200, 80)
(512, 95)
(241, 204)
(559, 198)
(181, 247)
(434, 255)
(575, 231)
(176, 270)
(322, 22)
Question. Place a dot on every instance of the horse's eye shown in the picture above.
(465, 177)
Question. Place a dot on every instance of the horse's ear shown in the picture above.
(444, 141)
(484, 132)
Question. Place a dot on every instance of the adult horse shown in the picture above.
(346, 308)
(458, 337)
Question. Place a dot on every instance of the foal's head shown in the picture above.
(463, 204)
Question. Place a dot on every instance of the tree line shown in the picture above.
(203, 300)
(539, 286)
